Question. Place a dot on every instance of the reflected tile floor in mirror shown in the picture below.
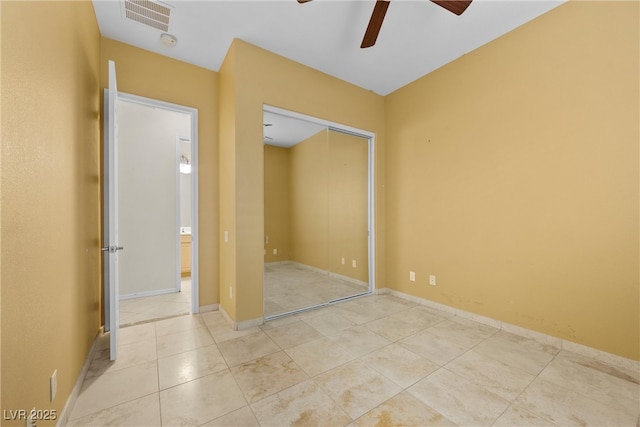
(375, 360)
(290, 286)
(145, 309)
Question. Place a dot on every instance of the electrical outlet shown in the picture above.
(412, 276)
(275, 251)
(353, 263)
(226, 236)
(432, 280)
(53, 385)
(343, 261)
(230, 292)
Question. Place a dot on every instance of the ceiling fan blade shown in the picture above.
(303, 1)
(375, 23)
(453, 6)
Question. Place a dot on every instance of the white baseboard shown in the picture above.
(208, 308)
(63, 419)
(149, 293)
(245, 324)
(600, 355)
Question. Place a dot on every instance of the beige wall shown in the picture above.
(184, 84)
(277, 203)
(512, 175)
(50, 198)
(310, 201)
(310, 92)
(348, 205)
(316, 203)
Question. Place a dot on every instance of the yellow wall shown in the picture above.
(258, 77)
(512, 175)
(316, 203)
(277, 203)
(348, 205)
(147, 74)
(227, 188)
(310, 201)
(50, 198)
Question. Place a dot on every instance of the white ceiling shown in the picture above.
(283, 131)
(417, 36)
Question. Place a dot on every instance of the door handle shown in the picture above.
(112, 249)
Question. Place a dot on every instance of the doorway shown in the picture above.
(158, 205)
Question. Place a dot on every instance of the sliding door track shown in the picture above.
(313, 307)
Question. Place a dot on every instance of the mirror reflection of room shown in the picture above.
(316, 215)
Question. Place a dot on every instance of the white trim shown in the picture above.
(339, 127)
(239, 326)
(561, 343)
(178, 260)
(193, 112)
(327, 123)
(149, 293)
(209, 308)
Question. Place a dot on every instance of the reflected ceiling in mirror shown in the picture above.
(283, 131)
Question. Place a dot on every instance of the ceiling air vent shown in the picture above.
(149, 13)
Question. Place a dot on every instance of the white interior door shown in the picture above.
(110, 213)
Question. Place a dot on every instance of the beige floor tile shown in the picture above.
(329, 323)
(400, 365)
(183, 341)
(247, 348)
(113, 388)
(595, 380)
(201, 400)
(135, 353)
(319, 356)
(393, 329)
(458, 399)
(421, 316)
(359, 314)
(565, 407)
(385, 304)
(359, 340)
(433, 345)
(357, 388)
(242, 417)
(222, 331)
(464, 332)
(189, 365)
(516, 416)
(497, 377)
(292, 334)
(133, 334)
(267, 375)
(178, 324)
(212, 317)
(141, 412)
(281, 321)
(304, 404)
(519, 352)
(403, 410)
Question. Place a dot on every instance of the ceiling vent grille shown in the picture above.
(149, 13)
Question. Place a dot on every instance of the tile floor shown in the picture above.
(376, 360)
(290, 286)
(140, 310)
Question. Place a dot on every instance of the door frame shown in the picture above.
(371, 202)
(193, 112)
